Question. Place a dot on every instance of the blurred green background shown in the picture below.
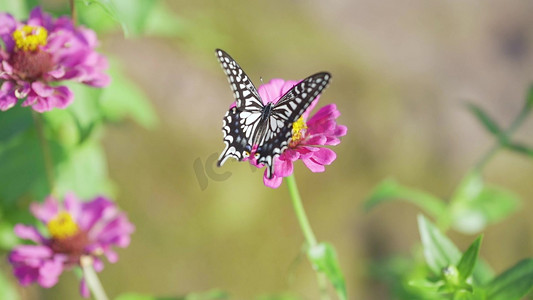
(401, 76)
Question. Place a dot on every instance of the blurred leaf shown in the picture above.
(439, 251)
(475, 205)
(483, 273)
(163, 22)
(23, 166)
(491, 205)
(529, 98)
(209, 295)
(19, 9)
(469, 259)
(123, 98)
(8, 240)
(522, 149)
(467, 295)
(14, 122)
(514, 283)
(84, 172)
(487, 121)
(389, 190)
(324, 259)
(110, 8)
(277, 297)
(7, 290)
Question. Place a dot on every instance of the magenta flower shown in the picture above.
(75, 230)
(41, 51)
(308, 135)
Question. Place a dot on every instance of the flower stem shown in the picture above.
(47, 156)
(73, 15)
(496, 147)
(306, 228)
(92, 279)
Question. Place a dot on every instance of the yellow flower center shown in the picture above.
(298, 130)
(29, 38)
(62, 226)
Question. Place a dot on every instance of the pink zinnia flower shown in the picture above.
(308, 135)
(41, 51)
(75, 231)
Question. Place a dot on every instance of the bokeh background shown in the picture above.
(402, 74)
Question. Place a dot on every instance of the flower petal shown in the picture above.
(274, 183)
(45, 211)
(49, 272)
(84, 289)
(29, 233)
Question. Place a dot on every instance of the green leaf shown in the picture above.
(469, 259)
(522, 149)
(529, 98)
(14, 122)
(439, 251)
(18, 9)
(110, 8)
(7, 290)
(390, 190)
(324, 259)
(514, 283)
(23, 166)
(487, 121)
(483, 273)
(84, 172)
(163, 22)
(8, 240)
(475, 205)
(124, 98)
(209, 295)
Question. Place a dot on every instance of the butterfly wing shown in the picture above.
(244, 91)
(275, 139)
(237, 144)
(240, 122)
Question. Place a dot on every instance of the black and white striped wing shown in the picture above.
(278, 132)
(237, 145)
(243, 89)
(240, 122)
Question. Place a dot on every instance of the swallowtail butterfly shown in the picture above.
(263, 130)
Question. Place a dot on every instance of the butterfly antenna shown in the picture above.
(266, 90)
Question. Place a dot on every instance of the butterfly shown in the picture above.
(262, 130)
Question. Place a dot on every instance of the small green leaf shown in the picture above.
(529, 98)
(389, 190)
(18, 9)
(209, 295)
(469, 259)
(110, 8)
(124, 98)
(482, 273)
(522, 149)
(439, 251)
(7, 290)
(475, 205)
(487, 121)
(84, 172)
(514, 283)
(324, 259)
(14, 122)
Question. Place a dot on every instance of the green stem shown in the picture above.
(306, 228)
(73, 15)
(300, 212)
(47, 156)
(93, 283)
(498, 146)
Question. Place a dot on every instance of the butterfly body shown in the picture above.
(258, 129)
